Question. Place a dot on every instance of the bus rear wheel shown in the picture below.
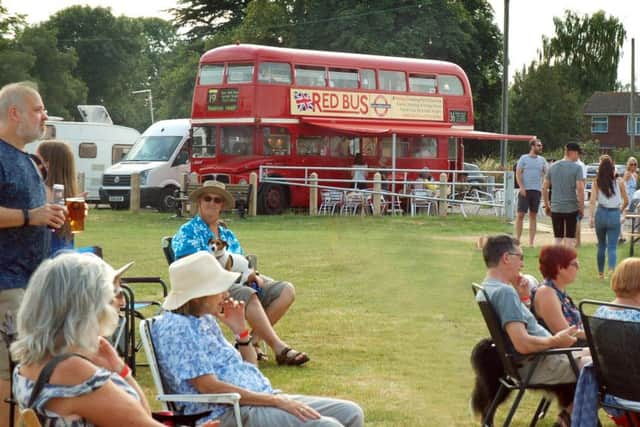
(272, 199)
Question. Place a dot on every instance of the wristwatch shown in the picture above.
(25, 215)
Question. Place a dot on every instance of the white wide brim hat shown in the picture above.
(194, 276)
(214, 187)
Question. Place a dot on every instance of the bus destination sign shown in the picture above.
(310, 102)
(222, 99)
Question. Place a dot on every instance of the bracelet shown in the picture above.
(126, 370)
(242, 335)
(25, 216)
(239, 344)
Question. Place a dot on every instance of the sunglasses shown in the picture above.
(42, 168)
(576, 264)
(209, 199)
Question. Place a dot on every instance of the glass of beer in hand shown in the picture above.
(76, 210)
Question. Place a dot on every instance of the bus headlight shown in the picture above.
(242, 181)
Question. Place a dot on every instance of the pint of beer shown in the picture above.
(75, 207)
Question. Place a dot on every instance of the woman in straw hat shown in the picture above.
(194, 356)
(67, 309)
(262, 308)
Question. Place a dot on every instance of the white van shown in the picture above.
(96, 145)
(161, 157)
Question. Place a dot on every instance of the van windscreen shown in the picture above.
(153, 148)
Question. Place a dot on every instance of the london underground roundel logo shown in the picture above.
(381, 106)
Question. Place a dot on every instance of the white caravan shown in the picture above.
(161, 157)
(96, 144)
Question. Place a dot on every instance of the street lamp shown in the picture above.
(149, 100)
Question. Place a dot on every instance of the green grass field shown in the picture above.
(384, 305)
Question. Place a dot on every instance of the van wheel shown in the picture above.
(167, 199)
(272, 199)
(118, 206)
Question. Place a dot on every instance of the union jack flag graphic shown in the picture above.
(303, 101)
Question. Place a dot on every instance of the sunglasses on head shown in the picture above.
(209, 199)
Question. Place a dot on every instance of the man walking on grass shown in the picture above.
(530, 171)
(566, 203)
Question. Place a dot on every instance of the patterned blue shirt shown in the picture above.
(23, 387)
(188, 347)
(22, 249)
(195, 235)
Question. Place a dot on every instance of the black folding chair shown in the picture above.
(615, 350)
(511, 362)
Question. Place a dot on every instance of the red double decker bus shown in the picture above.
(257, 105)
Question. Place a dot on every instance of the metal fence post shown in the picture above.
(253, 200)
(509, 196)
(134, 193)
(313, 194)
(442, 204)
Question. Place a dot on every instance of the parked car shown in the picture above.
(474, 174)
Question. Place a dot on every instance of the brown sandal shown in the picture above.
(298, 358)
(260, 355)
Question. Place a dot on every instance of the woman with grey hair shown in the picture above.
(66, 309)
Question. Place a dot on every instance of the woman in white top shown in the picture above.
(608, 200)
(359, 173)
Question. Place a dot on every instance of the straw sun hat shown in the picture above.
(196, 276)
(214, 187)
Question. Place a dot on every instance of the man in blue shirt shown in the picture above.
(24, 214)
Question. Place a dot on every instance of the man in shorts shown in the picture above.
(566, 204)
(268, 300)
(530, 171)
(25, 217)
(504, 260)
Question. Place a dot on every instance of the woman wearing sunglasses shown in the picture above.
(265, 305)
(550, 302)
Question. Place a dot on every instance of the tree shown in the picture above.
(14, 64)
(110, 58)
(542, 103)
(588, 49)
(206, 17)
(53, 71)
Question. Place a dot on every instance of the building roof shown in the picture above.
(610, 103)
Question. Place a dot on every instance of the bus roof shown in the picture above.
(249, 52)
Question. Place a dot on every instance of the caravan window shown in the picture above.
(49, 132)
(87, 150)
(118, 152)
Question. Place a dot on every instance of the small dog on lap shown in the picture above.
(234, 262)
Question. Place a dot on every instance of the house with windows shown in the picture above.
(608, 118)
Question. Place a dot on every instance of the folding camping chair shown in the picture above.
(169, 400)
(512, 380)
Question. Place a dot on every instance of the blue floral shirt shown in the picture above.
(626, 315)
(188, 347)
(195, 235)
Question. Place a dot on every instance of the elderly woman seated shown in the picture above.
(194, 356)
(66, 310)
(550, 302)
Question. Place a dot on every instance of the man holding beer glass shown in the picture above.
(25, 217)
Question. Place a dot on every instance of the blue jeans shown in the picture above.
(607, 224)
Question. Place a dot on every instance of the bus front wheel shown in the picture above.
(273, 199)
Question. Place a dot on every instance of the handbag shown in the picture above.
(28, 417)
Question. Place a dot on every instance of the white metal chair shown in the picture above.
(352, 202)
(168, 400)
(422, 199)
(475, 199)
(331, 201)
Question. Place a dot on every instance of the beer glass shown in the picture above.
(76, 209)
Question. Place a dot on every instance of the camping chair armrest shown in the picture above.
(229, 398)
(564, 350)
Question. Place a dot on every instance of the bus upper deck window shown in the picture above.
(310, 76)
(240, 73)
(422, 84)
(393, 80)
(347, 79)
(450, 85)
(274, 72)
(211, 74)
(367, 79)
